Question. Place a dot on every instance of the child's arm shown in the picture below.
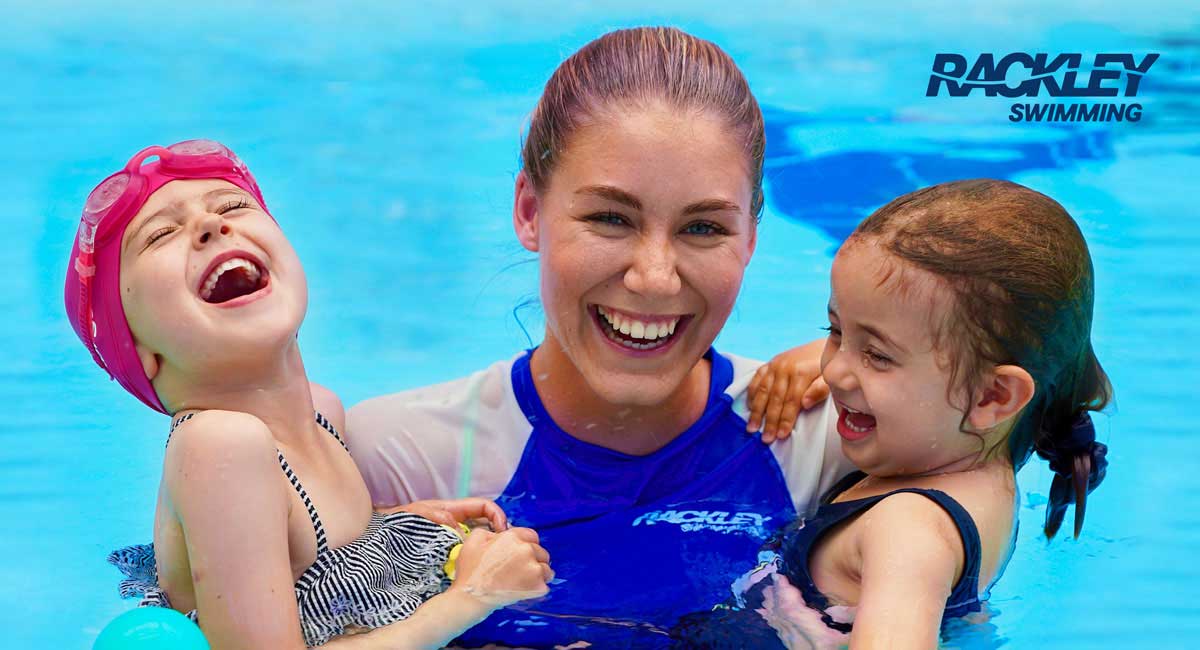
(456, 511)
(493, 570)
(223, 484)
(910, 555)
(784, 386)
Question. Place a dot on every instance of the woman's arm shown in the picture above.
(910, 556)
(224, 485)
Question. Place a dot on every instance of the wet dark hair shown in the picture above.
(1021, 279)
(636, 67)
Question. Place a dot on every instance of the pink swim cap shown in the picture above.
(93, 288)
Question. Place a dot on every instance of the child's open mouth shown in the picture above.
(854, 425)
(234, 277)
(639, 334)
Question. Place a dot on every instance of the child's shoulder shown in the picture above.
(215, 456)
(328, 404)
(219, 435)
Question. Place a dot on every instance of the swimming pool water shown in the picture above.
(385, 138)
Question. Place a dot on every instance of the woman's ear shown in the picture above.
(150, 362)
(1005, 391)
(525, 213)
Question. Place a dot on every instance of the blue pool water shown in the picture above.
(386, 138)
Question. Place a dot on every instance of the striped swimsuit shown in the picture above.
(379, 578)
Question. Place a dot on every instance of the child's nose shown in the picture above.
(839, 372)
(208, 226)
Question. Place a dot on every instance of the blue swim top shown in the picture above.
(379, 578)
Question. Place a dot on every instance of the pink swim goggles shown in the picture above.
(92, 293)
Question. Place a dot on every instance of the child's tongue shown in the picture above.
(861, 420)
(855, 426)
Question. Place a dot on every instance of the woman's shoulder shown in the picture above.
(415, 443)
(811, 458)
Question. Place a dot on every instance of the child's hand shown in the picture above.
(797, 624)
(453, 512)
(783, 387)
(499, 569)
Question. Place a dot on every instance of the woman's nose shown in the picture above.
(208, 226)
(653, 270)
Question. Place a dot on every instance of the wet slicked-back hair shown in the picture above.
(1021, 279)
(636, 67)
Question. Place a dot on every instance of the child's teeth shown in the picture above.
(210, 282)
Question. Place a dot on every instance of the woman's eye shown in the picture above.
(608, 218)
(834, 332)
(703, 228)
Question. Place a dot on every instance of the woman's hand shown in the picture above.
(473, 512)
(784, 386)
(498, 569)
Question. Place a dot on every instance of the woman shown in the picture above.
(621, 438)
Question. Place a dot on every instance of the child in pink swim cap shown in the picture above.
(185, 290)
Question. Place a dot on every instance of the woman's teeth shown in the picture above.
(249, 268)
(649, 334)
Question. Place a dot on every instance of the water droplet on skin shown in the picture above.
(544, 376)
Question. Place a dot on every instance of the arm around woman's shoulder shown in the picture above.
(223, 483)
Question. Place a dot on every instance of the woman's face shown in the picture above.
(643, 232)
(208, 278)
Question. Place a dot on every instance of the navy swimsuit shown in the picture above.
(736, 624)
(798, 543)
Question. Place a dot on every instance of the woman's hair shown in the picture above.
(640, 66)
(1021, 280)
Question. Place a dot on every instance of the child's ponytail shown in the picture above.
(1066, 438)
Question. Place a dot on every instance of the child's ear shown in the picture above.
(525, 213)
(1005, 391)
(149, 359)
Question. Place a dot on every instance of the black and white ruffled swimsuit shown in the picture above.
(380, 578)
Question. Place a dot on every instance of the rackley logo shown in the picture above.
(1029, 75)
(714, 520)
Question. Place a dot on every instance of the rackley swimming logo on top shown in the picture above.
(721, 521)
(1060, 75)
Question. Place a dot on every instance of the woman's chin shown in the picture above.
(635, 390)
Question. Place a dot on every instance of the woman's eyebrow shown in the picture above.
(612, 194)
(711, 205)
